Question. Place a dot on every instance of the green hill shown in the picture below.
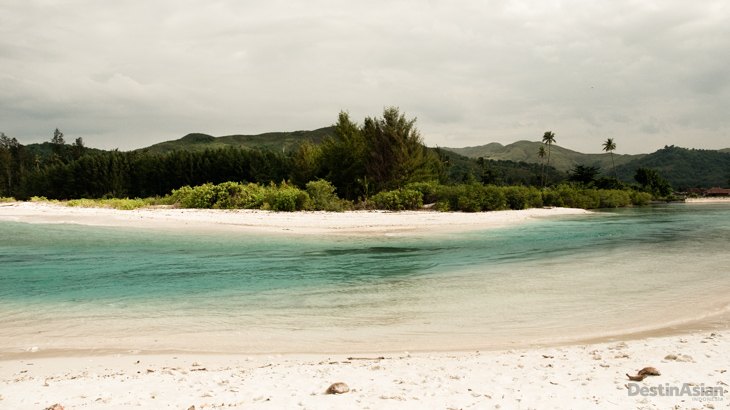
(463, 168)
(273, 141)
(561, 158)
(683, 168)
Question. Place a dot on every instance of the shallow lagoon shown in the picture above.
(66, 286)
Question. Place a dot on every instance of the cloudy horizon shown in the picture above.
(130, 74)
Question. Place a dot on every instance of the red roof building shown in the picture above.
(717, 192)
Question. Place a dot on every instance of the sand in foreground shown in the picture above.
(573, 377)
(568, 377)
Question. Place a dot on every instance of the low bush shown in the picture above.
(521, 197)
(82, 203)
(428, 189)
(322, 197)
(398, 200)
(640, 198)
(613, 198)
(471, 197)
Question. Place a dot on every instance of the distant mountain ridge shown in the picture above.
(561, 158)
(683, 167)
(274, 141)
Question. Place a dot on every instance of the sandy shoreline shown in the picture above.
(707, 200)
(561, 377)
(569, 377)
(339, 223)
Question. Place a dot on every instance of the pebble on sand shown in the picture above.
(338, 388)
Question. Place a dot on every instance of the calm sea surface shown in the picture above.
(68, 286)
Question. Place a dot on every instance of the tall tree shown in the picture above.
(652, 182)
(548, 139)
(397, 153)
(59, 145)
(541, 154)
(584, 174)
(6, 165)
(489, 176)
(343, 158)
(609, 146)
(78, 149)
(305, 164)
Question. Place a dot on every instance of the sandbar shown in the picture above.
(305, 223)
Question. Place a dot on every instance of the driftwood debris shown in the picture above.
(643, 373)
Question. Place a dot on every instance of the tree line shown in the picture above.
(359, 161)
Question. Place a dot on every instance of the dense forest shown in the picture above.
(683, 167)
(375, 162)
(359, 160)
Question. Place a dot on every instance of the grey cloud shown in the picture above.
(133, 73)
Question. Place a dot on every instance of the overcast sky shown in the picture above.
(128, 74)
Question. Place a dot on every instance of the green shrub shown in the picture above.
(7, 199)
(82, 203)
(520, 197)
(428, 189)
(468, 198)
(125, 204)
(232, 195)
(201, 196)
(613, 198)
(161, 200)
(398, 200)
(494, 198)
(290, 199)
(550, 197)
(640, 198)
(471, 197)
(573, 197)
(322, 196)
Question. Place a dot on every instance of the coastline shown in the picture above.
(707, 200)
(576, 374)
(562, 377)
(303, 222)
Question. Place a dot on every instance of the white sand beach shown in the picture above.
(576, 376)
(569, 377)
(348, 223)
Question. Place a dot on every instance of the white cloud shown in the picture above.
(129, 74)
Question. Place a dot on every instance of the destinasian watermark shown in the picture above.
(697, 392)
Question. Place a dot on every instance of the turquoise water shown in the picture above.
(66, 286)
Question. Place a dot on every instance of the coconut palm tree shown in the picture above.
(549, 139)
(541, 154)
(609, 146)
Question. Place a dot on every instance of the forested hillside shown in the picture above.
(683, 168)
(561, 158)
(272, 141)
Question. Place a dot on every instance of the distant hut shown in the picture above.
(715, 192)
